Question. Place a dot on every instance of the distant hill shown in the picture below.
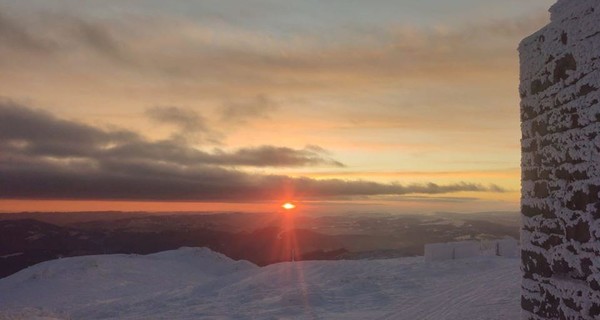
(259, 238)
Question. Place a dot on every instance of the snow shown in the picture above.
(16, 254)
(192, 283)
(35, 236)
(506, 247)
(569, 8)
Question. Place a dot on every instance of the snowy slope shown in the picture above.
(194, 283)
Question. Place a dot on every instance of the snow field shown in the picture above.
(192, 283)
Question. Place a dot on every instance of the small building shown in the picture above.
(451, 250)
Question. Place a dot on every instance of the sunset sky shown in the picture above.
(342, 105)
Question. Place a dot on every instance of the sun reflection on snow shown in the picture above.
(287, 248)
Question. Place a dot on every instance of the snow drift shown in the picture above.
(194, 283)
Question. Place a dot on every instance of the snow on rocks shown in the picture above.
(200, 284)
(560, 113)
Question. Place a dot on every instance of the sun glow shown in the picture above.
(288, 206)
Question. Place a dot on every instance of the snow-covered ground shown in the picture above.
(194, 283)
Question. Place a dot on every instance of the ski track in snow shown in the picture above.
(192, 283)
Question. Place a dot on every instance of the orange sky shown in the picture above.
(397, 93)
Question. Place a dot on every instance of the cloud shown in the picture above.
(241, 111)
(309, 156)
(53, 36)
(191, 126)
(45, 157)
(188, 120)
(373, 76)
(14, 35)
(339, 188)
(418, 92)
(34, 133)
(139, 180)
(174, 58)
(180, 50)
(40, 133)
(97, 38)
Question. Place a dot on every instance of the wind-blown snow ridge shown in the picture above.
(192, 283)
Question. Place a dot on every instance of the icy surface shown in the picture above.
(200, 284)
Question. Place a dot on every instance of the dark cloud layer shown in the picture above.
(45, 157)
(36, 134)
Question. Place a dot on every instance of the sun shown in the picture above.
(288, 206)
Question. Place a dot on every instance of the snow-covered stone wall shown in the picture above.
(560, 114)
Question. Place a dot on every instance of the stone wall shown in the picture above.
(560, 113)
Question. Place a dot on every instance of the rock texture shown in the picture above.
(560, 114)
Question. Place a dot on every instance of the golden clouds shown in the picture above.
(392, 100)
